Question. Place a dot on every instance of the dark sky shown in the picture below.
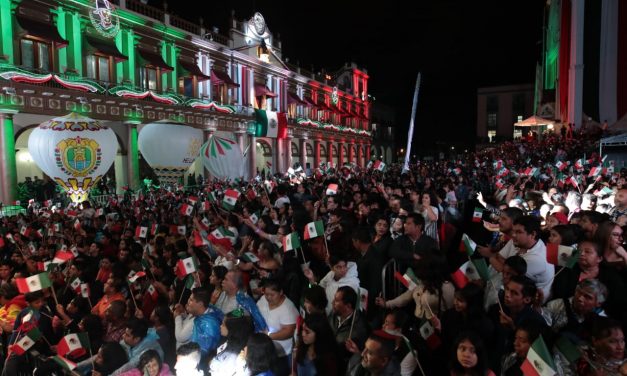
(457, 45)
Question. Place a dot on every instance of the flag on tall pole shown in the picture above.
(410, 133)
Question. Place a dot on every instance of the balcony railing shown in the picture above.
(144, 10)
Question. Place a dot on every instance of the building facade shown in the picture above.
(383, 126)
(499, 107)
(130, 64)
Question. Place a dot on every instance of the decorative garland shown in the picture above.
(129, 92)
(206, 105)
(20, 75)
(337, 128)
(79, 84)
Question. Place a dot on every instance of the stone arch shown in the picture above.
(323, 151)
(264, 155)
(294, 150)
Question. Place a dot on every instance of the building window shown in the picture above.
(492, 136)
(491, 121)
(517, 133)
(492, 104)
(35, 54)
(98, 68)
(148, 78)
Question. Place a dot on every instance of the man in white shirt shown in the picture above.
(280, 315)
(526, 243)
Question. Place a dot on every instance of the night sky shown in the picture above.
(457, 45)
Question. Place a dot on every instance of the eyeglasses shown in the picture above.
(617, 234)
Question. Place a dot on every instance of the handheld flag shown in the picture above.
(313, 230)
(185, 267)
(539, 361)
(291, 241)
(34, 283)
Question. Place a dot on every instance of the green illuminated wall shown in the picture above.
(125, 41)
(169, 53)
(552, 46)
(6, 27)
(69, 26)
(133, 157)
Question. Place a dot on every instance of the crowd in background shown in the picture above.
(471, 266)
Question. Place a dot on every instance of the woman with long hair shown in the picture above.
(316, 352)
(260, 354)
(469, 357)
(610, 236)
(236, 328)
(215, 280)
(150, 364)
(382, 240)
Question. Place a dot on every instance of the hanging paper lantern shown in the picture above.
(223, 158)
(75, 151)
(169, 148)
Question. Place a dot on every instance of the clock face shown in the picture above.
(259, 24)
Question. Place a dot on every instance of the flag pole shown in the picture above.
(410, 133)
(130, 290)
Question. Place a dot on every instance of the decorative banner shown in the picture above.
(129, 92)
(104, 19)
(75, 151)
(206, 105)
(169, 148)
(223, 158)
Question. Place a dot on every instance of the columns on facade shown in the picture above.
(288, 151)
(340, 153)
(133, 156)
(8, 167)
(316, 153)
(575, 72)
(351, 151)
(278, 153)
(330, 151)
(206, 135)
(360, 155)
(252, 159)
(368, 157)
(303, 152)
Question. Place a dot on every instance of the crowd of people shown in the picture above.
(507, 261)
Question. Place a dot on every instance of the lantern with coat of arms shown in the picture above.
(73, 150)
(169, 148)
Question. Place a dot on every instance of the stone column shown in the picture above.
(351, 151)
(8, 167)
(206, 135)
(316, 153)
(330, 152)
(360, 155)
(133, 156)
(575, 72)
(303, 152)
(252, 151)
(278, 154)
(288, 151)
(340, 153)
(367, 153)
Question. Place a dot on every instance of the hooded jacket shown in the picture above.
(330, 285)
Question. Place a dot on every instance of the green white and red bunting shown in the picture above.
(539, 361)
(64, 363)
(34, 283)
(230, 199)
(270, 124)
(141, 232)
(62, 257)
(187, 209)
(134, 276)
(313, 230)
(428, 333)
(76, 344)
(467, 245)
(477, 215)
(291, 241)
(185, 267)
(26, 342)
(331, 190)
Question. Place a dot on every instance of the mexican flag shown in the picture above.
(205, 206)
(185, 267)
(595, 171)
(217, 235)
(76, 284)
(187, 209)
(26, 342)
(34, 283)
(212, 197)
(64, 363)
(378, 165)
(77, 225)
(76, 344)
(427, 332)
(85, 291)
(560, 165)
(141, 232)
(466, 273)
(331, 189)
(99, 212)
(44, 266)
(25, 231)
(62, 257)
(477, 215)
(133, 277)
(314, 229)
(152, 291)
(199, 241)
(270, 124)
(561, 255)
(579, 164)
(230, 199)
(467, 245)
(291, 241)
(181, 230)
(254, 217)
(153, 229)
(539, 361)
(192, 200)
(405, 280)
